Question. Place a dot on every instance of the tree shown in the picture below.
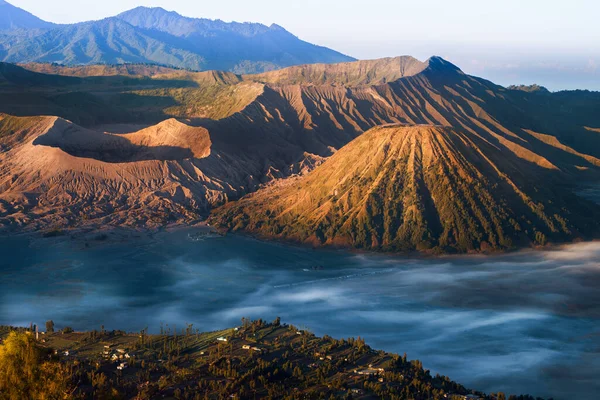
(540, 238)
(25, 375)
(50, 326)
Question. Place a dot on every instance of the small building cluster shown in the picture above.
(118, 354)
(371, 371)
(248, 347)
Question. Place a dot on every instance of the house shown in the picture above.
(127, 356)
(122, 351)
(246, 347)
(367, 371)
(329, 358)
(256, 349)
(298, 332)
(122, 366)
(66, 353)
(114, 357)
(378, 369)
(221, 339)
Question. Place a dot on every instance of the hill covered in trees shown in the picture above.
(255, 360)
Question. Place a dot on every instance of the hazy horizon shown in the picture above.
(553, 44)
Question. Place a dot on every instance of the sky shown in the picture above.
(553, 43)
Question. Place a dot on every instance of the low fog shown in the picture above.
(523, 323)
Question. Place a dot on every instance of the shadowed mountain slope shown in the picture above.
(137, 70)
(323, 117)
(421, 187)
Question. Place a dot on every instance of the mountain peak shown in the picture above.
(175, 24)
(12, 18)
(144, 9)
(437, 63)
(403, 188)
(534, 88)
(276, 27)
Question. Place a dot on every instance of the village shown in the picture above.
(254, 360)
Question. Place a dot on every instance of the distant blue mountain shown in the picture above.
(154, 35)
(14, 18)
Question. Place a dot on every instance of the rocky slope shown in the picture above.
(418, 187)
(365, 72)
(274, 125)
(56, 174)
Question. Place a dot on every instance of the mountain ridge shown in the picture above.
(157, 18)
(362, 72)
(162, 37)
(14, 18)
(264, 128)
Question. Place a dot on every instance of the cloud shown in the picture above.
(493, 323)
